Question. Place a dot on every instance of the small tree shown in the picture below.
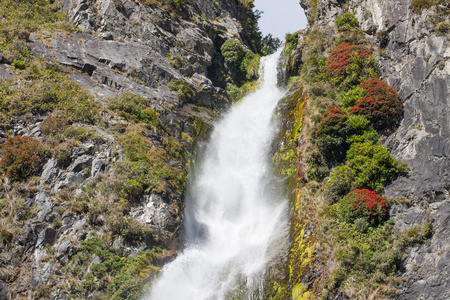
(349, 65)
(331, 133)
(364, 204)
(382, 106)
(373, 165)
(346, 22)
(22, 157)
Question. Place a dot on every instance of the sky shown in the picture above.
(280, 17)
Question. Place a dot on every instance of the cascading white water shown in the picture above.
(232, 215)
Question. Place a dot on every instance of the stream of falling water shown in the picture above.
(234, 217)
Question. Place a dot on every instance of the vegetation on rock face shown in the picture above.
(346, 22)
(133, 108)
(363, 204)
(351, 64)
(374, 166)
(19, 19)
(382, 105)
(49, 91)
(354, 252)
(244, 65)
(22, 157)
(184, 90)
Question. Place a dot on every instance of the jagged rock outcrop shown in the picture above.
(414, 58)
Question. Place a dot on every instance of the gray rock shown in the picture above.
(80, 163)
(3, 291)
(84, 149)
(64, 246)
(98, 165)
(48, 236)
(45, 211)
(50, 170)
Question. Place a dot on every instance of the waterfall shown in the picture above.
(234, 216)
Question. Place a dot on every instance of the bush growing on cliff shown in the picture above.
(340, 182)
(351, 64)
(134, 108)
(352, 96)
(146, 169)
(331, 133)
(22, 157)
(382, 105)
(243, 65)
(346, 22)
(53, 125)
(233, 52)
(50, 91)
(363, 203)
(373, 165)
(184, 90)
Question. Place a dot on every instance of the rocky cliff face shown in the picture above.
(413, 57)
(58, 240)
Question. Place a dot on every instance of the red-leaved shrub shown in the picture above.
(382, 106)
(333, 122)
(363, 204)
(342, 56)
(22, 157)
(52, 125)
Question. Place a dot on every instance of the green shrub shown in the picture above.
(339, 183)
(19, 64)
(362, 203)
(53, 125)
(184, 90)
(442, 28)
(237, 93)
(22, 157)
(373, 165)
(418, 5)
(350, 97)
(291, 43)
(233, 52)
(346, 22)
(146, 169)
(250, 65)
(369, 136)
(331, 132)
(243, 65)
(134, 108)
